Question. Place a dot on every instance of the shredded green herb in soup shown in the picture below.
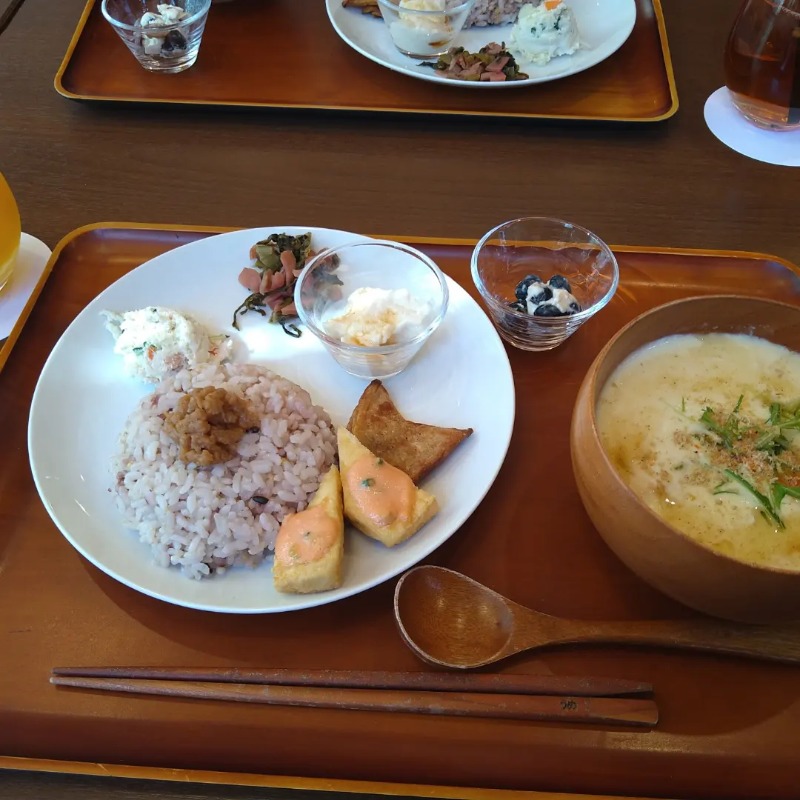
(705, 429)
(756, 455)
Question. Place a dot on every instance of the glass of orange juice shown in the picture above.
(10, 231)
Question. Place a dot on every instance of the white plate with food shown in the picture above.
(85, 398)
(603, 26)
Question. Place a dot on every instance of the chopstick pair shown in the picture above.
(529, 697)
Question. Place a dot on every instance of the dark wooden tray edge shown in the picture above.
(412, 239)
(322, 785)
(6, 349)
(73, 43)
(667, 56)
(58, 84)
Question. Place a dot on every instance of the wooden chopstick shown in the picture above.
(9, 13)
(425, 681)
(636, 712)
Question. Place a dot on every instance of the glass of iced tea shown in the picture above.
(10, 231)
(762, 63)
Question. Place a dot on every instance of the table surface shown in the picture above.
(670, 184)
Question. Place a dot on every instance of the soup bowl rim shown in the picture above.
(595, 389)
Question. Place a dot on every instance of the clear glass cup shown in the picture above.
(762, 63)
(157, 44)
(541, 247)
(424, 28)
(326, 284)
(10, 232)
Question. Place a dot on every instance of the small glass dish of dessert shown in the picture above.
(163, 37)
(424, 28)
(542, 278)
(373, 304)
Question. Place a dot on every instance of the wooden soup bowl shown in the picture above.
(661, 555)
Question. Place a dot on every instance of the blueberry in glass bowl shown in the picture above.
(551, 298)
(542, 278)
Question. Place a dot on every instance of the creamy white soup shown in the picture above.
(705, 429)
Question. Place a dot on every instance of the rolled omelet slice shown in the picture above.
(309, 548)
(379, 499)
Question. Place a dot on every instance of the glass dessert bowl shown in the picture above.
(542, 278)
(373, 304)
(424, 28)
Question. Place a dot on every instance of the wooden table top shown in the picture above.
(669, 184)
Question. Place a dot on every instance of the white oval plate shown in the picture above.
(604, 26)
(461, 378)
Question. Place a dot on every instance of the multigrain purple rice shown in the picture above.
(495, 12)
(204, 520)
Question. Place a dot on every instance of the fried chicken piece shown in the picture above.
(207, 424)
(413, 447)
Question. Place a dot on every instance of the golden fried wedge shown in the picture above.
(413, 447)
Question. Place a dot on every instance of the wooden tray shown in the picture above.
(285, 54)
(729, 728)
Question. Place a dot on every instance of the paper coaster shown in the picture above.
(31, 261)
(732, 129)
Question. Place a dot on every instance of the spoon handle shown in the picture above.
(772, 643)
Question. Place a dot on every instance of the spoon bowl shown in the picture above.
(453, 621)
(445, 616)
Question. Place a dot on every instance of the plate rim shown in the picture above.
(302, 601)
(334, 7)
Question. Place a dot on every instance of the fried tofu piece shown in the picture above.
(365, 509)
(413, 447)
(310, 560)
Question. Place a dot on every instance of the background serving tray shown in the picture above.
(729, 728)
(285, 54)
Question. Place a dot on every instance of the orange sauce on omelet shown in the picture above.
(305, 537)
(383, 492)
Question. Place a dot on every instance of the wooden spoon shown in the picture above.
(453, 621)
